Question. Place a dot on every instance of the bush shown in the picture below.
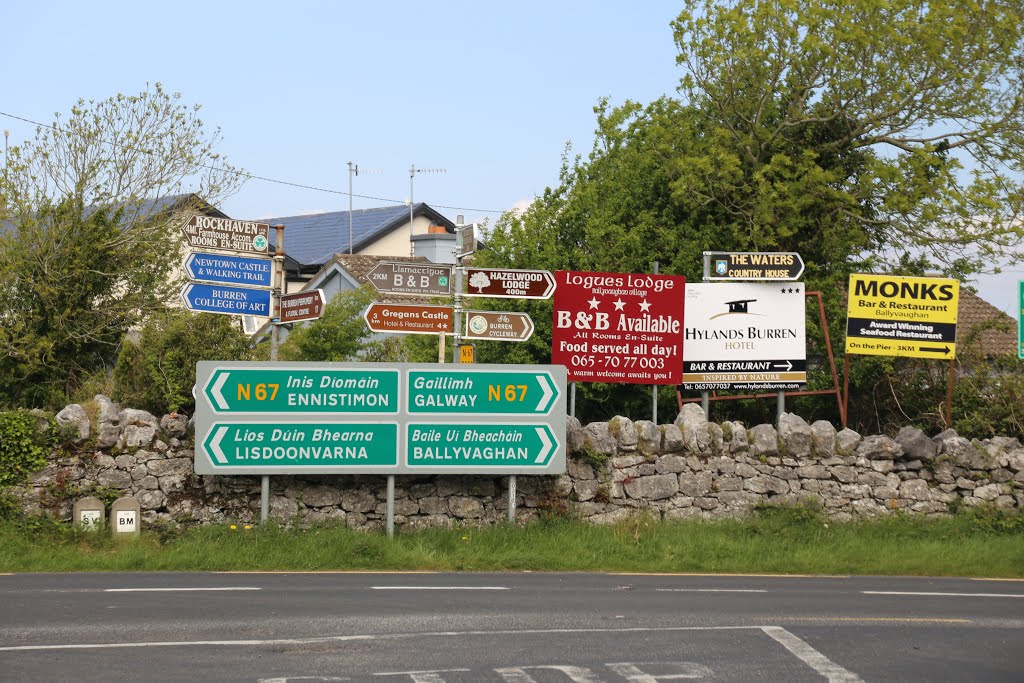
(158, 371)
(23, 447)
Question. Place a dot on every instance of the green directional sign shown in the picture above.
(1020, 319)
(481, 392)
(264, 390)
(480, 445)
(301, 445)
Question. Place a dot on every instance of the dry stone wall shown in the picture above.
(689, 469)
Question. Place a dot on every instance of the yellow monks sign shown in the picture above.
(888, 315)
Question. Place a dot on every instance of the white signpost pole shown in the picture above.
(705, 397)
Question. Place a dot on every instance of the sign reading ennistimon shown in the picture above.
(890, 315)
(356, 418)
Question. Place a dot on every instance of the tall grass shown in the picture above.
(773, 540)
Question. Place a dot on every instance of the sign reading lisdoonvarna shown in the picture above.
(745, 336)
(891, 315)
(618, 327)
(379, 418)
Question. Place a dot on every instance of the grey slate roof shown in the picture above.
(312, 239)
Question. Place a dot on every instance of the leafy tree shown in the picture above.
(89, 213)
(341, 334)
(157, 371)
(865, 135)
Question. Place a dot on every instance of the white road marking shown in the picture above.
(384, 636)
(948, 595)
(811, 657)
(711, 590)
(174, 590)
(439, 588)
(433, 676)
(633, 674)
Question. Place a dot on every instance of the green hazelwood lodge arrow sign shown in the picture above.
(302, 444)
(481, 392)
(267, 390)
(479, 445)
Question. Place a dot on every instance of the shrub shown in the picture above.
(158, 371)
(23, 447)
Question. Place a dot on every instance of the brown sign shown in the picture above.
(409, 319)
(411, 278)
(302, 306)
(498, 325)
(226, 234)
(510, 284)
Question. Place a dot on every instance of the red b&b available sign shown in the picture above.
(619, 327)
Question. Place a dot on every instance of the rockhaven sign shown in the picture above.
(690, 468)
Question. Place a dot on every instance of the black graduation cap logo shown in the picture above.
(736, 307)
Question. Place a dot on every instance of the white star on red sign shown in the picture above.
(645, 305)
(593, 302)
(619, 304)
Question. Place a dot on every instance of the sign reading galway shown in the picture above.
(226, 234)
(745, 265)
(380, 418)
(618, 327)
(743, 335)
(890, 315)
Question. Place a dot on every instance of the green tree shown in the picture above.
(341, 334)
(89, 214)
(157, 371)
(865, 135)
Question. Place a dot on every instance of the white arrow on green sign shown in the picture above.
(481, 392)
(302, 444)
(479, 445)
(297, 391)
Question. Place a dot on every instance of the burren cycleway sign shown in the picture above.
(379, 418)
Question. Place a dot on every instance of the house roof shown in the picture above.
(984, 327)
(312, 239)
(145, 208)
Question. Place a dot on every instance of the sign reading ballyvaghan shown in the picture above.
(363, 418)
(743, 335)
(226, 234)
(618, 327)
(890, 315)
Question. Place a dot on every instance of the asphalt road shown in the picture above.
(506, 628)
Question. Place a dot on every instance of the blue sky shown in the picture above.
(490, 92)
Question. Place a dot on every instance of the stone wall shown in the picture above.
(689, 469)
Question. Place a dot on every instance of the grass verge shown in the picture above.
(979, 542)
